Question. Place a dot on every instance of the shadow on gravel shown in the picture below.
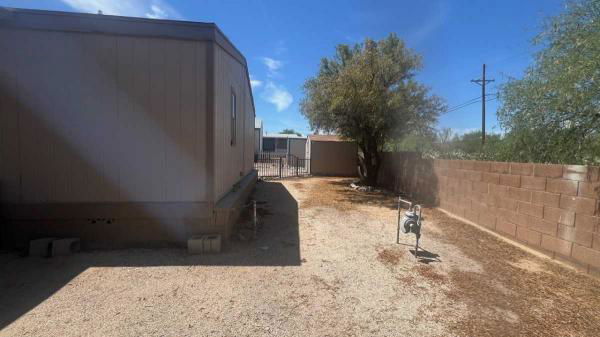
(426, 257)
(25, 282)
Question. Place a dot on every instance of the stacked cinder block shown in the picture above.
(203, 244)
(553, 208)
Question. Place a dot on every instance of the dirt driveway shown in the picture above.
(325, 264)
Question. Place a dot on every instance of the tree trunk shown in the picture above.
(369, 165)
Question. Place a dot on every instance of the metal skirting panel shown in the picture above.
(108, 225)
(124, 225)
(230, 207)
(121, 210)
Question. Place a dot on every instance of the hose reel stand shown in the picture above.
(409, 222)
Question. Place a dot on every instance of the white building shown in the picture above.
(284, 144)
(258, 135)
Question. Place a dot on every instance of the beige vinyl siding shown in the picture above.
(297, 147)
(101, 118)
(337, 158)
(248, 129)
(231, 161)
(257, 142)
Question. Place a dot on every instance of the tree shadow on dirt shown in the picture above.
(348, 194)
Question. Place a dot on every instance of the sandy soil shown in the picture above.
(325, 264)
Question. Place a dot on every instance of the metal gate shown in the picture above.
(272, 165)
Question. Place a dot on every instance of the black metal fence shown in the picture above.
(273, 165)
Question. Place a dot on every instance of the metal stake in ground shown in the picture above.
(254, 220)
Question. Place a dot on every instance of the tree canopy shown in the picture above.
(447, 144)
(368, 93)
(290, 132)
(552, 114)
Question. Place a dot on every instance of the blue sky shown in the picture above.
(283, 42)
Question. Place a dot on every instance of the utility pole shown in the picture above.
(482, 82)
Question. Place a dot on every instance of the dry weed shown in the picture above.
(429, 273)
(390, 257)
(509, 300)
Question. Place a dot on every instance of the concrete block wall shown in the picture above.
(552, 208)
(406, 173)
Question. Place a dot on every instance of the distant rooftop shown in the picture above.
(283, 135)
(258, 123)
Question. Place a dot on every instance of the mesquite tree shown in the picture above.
(368, 93)
(552, 114)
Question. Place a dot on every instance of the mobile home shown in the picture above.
(121, 131)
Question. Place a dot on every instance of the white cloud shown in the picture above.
(431, 23)
(154, 9)
(277, 95)
(460, 132)
(273, 93)
(157, 13)
(254, 83)
(273, 65)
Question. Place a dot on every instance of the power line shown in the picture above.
(462, 106)
(469, 103)
(466, 102)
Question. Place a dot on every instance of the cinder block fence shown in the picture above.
(552, 208)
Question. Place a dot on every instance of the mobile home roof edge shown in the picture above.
(120, 25)
(117, 25)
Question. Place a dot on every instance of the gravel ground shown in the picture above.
(325, 264)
